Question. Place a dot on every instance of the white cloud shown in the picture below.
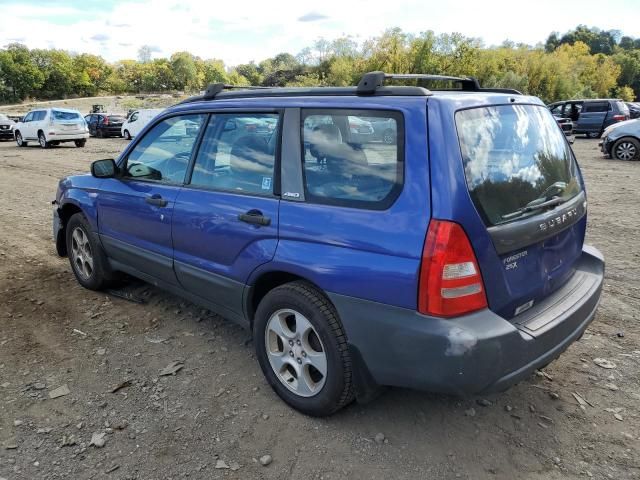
(254, 29)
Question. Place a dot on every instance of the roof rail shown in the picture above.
(214, 89)
(372, 81)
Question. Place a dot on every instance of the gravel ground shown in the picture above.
(216, 417)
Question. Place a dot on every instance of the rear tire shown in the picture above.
(298, 334)
(42, 140)
(88, 261)
(80, 143)
(594, 134)
(626, 149)
(99, 133)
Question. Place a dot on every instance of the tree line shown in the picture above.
(585, 62)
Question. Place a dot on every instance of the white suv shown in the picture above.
(52, 126)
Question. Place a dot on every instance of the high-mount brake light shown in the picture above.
(450, 282)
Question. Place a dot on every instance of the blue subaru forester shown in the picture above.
(446, 255)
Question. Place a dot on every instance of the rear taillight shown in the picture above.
(450, 283)
(619, 118)
(106, 121)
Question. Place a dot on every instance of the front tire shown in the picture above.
(80, 143)
(19, 140)
(127, 135)
(302, 349)
(594, 135)
(88, 261)
(42, 140)
(626, 149)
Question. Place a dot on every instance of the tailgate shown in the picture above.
(526, 187)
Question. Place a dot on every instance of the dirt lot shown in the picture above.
(112, 104)
(218, 411)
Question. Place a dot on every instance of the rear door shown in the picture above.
(526, 187)
(593, 116)
(225, 220)
(135, 209)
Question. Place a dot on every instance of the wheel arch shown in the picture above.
(263, 283)
(65, 212)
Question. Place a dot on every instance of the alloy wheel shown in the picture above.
(626, 151)
(81, 253)
(296, 353)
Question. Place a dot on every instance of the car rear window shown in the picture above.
(515, 157)
(116, 118)
(347, 161)
(60, 115)
(623, 108)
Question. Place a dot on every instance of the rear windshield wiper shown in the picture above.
(531, 206)
(549, 198)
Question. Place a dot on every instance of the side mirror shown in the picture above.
(230, 125)
(106, 168)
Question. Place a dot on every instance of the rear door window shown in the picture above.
(346, 163)
(515, 157)
(592, 107)
(238, 153)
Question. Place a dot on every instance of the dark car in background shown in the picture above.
(104, 124)
(634, 109)
(592, 116)
(567, 128)
(6, 127)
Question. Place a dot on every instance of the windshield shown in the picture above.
(60, 115)
(515, 158)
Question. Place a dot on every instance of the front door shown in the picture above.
(135, 209)
(26, 127)
(225, 220)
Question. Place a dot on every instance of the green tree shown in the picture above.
(19, 73)
(185, 73)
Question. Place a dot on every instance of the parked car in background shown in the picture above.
(6, 127)
(105, 124)
(622, 141)
(452, 261)
(634, 109)
(137, 120)
(51, 126)
(567, 127)
(591, 116)
(383, 130)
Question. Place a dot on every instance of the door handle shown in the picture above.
(156, 200)
(254, 217)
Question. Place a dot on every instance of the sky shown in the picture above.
(244, 30)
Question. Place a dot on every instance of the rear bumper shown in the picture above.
(111, 132)
(66, 137)
(476, 353)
